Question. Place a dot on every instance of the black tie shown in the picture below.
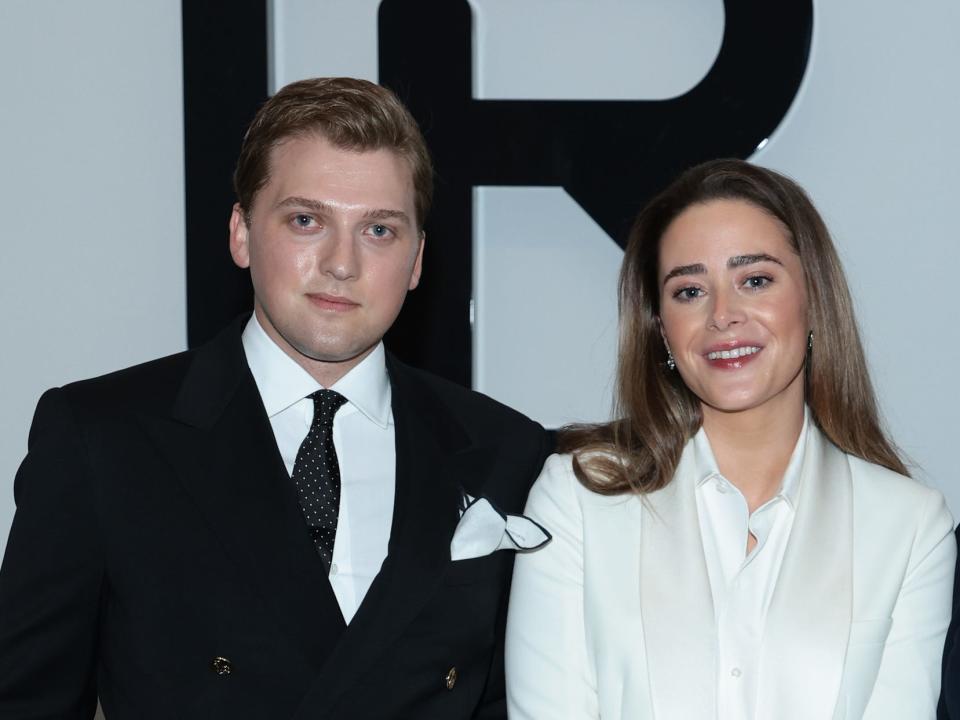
(316, 474)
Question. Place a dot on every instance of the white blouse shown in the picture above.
(741, 585)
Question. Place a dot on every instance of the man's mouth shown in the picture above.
(326, 301)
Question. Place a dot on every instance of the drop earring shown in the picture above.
(810, 341)
(671, 363)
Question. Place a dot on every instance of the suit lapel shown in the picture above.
(808, 623)
(221, 445)
(679, 630)
(434, 461)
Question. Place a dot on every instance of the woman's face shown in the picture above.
(733, 306)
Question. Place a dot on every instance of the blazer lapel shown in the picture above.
(220, 442)
(678, 618)
(434, 462)
(808, 623)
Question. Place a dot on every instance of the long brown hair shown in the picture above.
(656, 412)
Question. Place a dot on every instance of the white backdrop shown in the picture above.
(92, 185)
(91, 199)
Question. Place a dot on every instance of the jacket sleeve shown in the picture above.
(51, 577)
(908, 681)
(548, 671)
(494, 704)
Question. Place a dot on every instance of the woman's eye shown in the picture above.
(757, 282)
(686, 294)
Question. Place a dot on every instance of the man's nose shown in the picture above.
(338, 257)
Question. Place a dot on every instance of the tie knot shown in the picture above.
(325, 405)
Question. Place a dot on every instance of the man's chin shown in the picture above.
(333, 355)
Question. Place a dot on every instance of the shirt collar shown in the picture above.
(282, 382)
(706, 468)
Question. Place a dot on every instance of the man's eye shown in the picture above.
(380, 231)
(302, 221)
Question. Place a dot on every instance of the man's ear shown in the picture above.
(417, 263)
(239, 237)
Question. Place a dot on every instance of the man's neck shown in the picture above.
(327, 373)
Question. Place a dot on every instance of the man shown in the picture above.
(262, 527)
(949, 705)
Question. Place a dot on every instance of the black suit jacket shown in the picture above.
(157, 530)
(949, 706)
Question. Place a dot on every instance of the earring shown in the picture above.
(671, 363)
(810, 341)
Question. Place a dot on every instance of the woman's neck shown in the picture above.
(753, 447)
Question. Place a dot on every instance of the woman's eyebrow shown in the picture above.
(695, 269)
(740, 260)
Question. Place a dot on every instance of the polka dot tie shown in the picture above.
(316, 474)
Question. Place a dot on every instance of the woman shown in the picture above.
(744, 543)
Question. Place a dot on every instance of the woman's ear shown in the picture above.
(663, 335)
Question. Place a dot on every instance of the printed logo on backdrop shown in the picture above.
(609, 156)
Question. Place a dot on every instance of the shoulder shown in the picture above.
(874, 483)
(153, 387)
(558, 493)
(477, 411)
(74, 414)
(150, 384)
(563, 505)
(557, 478)
(554, 501)
(886, 499)
(507, 449)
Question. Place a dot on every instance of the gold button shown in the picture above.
(221, 666)
(451, 679)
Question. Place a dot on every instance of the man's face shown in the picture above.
(333, 247)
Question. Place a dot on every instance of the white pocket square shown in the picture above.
(483, 529)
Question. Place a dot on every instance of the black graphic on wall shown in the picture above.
(609, 156)
(224, 82)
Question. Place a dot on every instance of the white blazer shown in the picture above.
(614, 617)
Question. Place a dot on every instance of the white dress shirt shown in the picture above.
(363, 435)
(741, 584)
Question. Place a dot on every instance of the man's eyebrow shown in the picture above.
(323, 208)
(741, 260)
(385, 214)
(695, 269)
(301, 202)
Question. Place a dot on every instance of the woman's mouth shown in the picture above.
(732, 358)
(734, 353)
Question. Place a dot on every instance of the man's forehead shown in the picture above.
(321, 141)
(300, 167)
